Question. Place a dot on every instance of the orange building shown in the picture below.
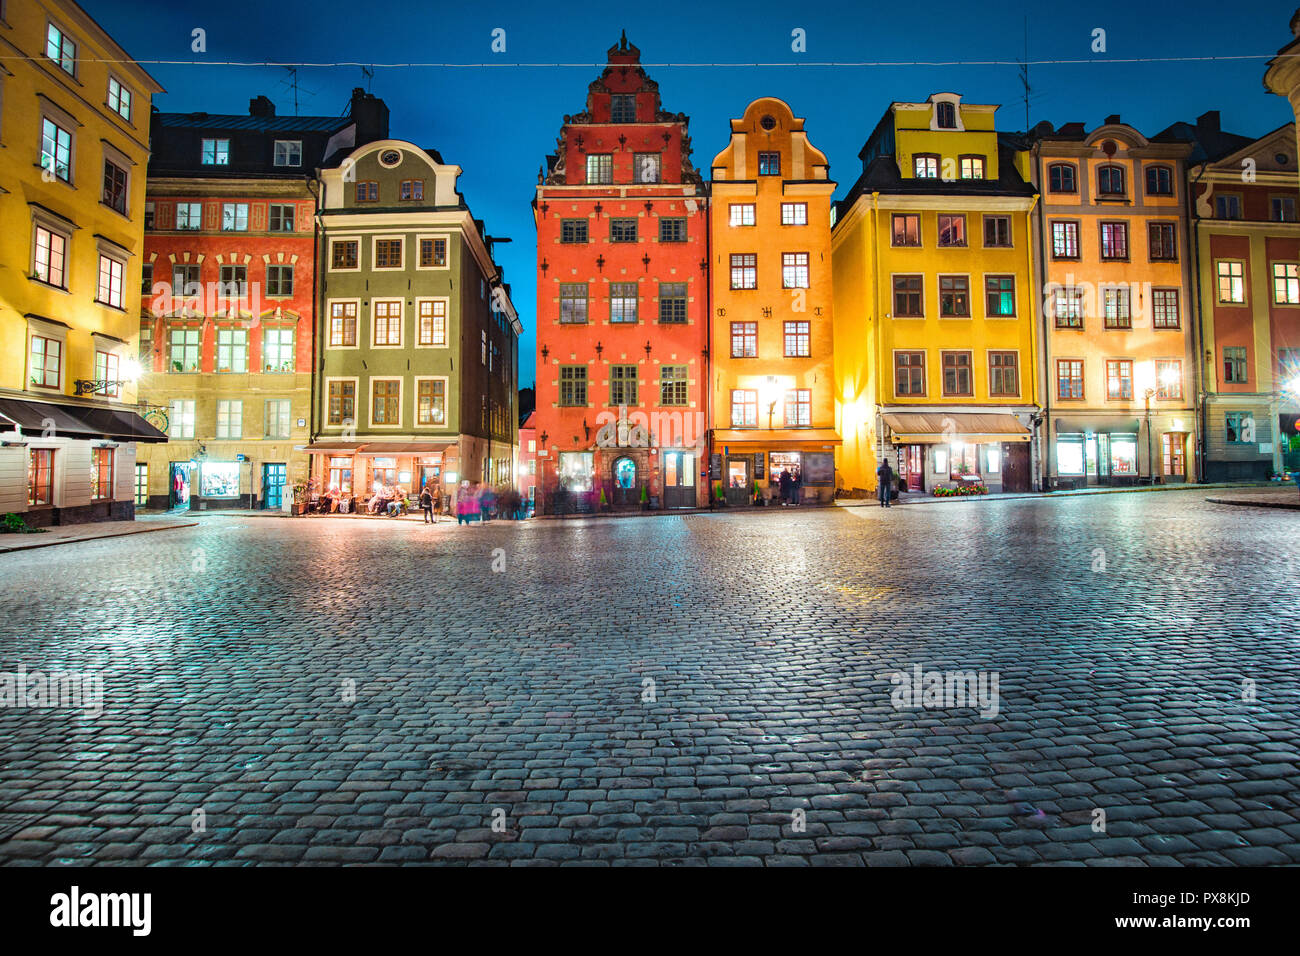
(771, 340)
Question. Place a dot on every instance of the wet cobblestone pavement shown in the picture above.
(696, 690)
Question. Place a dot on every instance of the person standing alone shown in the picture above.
(885, 483)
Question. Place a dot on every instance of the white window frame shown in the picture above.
(401, 322)
(111, 259)
(266, 417)
(230, 404)
(329, 261)
(46, 330)
(43, 223)
(370, 399)
(176, 219)
(289, 145)
(445, 236)
(247, 207)
(798, 213)
(374, 246)
(122, 91)
(329, 319)
(739, 212)
(215, 141)
(176, 418)
(446, 397)
(356, 399)
(446, 322)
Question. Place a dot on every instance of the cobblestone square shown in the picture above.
(695, 690)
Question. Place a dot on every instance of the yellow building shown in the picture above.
(936, 311)
(75, 126)
(772, 339)
(1120, 403)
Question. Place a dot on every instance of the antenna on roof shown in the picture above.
(293, 82)
(369, 73)
(1024, 73)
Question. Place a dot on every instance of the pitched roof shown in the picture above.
(259, 124)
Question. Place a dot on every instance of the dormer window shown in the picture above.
(972, 167)
(945, 115)
(1110, 181)
(622, 108)
(925, 166)
(1060, 178)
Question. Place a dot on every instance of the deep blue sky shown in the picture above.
(498, 123)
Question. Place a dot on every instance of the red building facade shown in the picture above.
(622, 304)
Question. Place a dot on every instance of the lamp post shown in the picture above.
(130, 375)
(1151, 388)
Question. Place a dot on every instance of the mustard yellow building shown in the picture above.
(772, 337)
(75, 127)
(1120, 403)
(935, 303)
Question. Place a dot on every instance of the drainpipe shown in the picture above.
(1046, 382)
(707, 205)
(880, 322)
(1033, 346)
(313, 187)
(1194, 220)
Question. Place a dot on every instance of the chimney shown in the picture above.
(261, 107)
(1208, 122)
(370, 114)
(1112, 119)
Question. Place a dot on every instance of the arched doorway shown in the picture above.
(624, 482)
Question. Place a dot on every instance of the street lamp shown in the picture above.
(771, 394)
(129, 370)
(1151, 385)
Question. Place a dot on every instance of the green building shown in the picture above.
(417, 339)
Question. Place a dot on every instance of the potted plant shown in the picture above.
(719, 495)
(645, 498)
(604, 502)
(300, 492)
(759, 500)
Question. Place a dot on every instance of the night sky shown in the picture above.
(498, 123)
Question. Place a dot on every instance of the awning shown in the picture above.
(762, 436)
(332, 446)
(86, 422)
(1124, 426)
(932, 427)
(379, 447)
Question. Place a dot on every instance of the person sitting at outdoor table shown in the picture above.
(397, 503)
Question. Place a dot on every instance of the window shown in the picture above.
(1067, 304)
(215, 152)
(279, 281)
(367, 190)
(744, 340)
(798, 407)
(1164, 309)
(1232, 281)
(278, 350)
(60, 48)
(952, 230)
(794, 214)
(180, 418)
(744, 408)
(744, 270)
(343, 324)
(945, 115)
(1282, 209)
(622, 384)
(1288, 362)
(141, 485)
(49, 262)
(230, 418)
(342, 401)
(622, 108)
(646, 167)
(1069, 378)
(573, 385)
(622, 301)
(798, 339)
(1227, 206)
(573, 302)
(1062, 178)
(288, 152)
(621, 230)
(386, 322)
(909, 373)
(794, 270)
(234, 217)
(1286, 283)
(672, 385)
(234, 281)
(282, 217)
(1161, 241)
(146, 279)
(908, 297)
(411, 190)
(114, 187)
(573, 230)
(925, 166)
(769, 164)
(388, 253)
(431, 401)
(1114, 240)
(972, 167)
(185, 280)
(150, 214)
(672, 302)
(1160, 181)
(600, 169)
(185, 345)
(957, 373)
(907, 229)
(1239, 428)
(954, 297)
(1004, 374)
(1169, 379)
(742, 214)
(431, 322)
(277, 417)
(997, 231)
(1065, 240)
(40, 476)
(1234, 365)
(433, 253)
(1116, 309)
(999, 296)
(1110, 181)
(232, 350)
(1119, 379)
(56, 150)
(189, 215)
(672, 230)
(107, 369)
(46, 362)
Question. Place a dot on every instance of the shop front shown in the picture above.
(750, 466)
(1113, 452)
(349, 473)
(966, 452)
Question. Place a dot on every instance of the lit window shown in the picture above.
(111, 273)
(215, 152)
(794, 270)
(119, 99)
(49, 263)
(46, 362)
(742, 214)
(234, 217)
(56, 150)
(60, 48)
(794, 214)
